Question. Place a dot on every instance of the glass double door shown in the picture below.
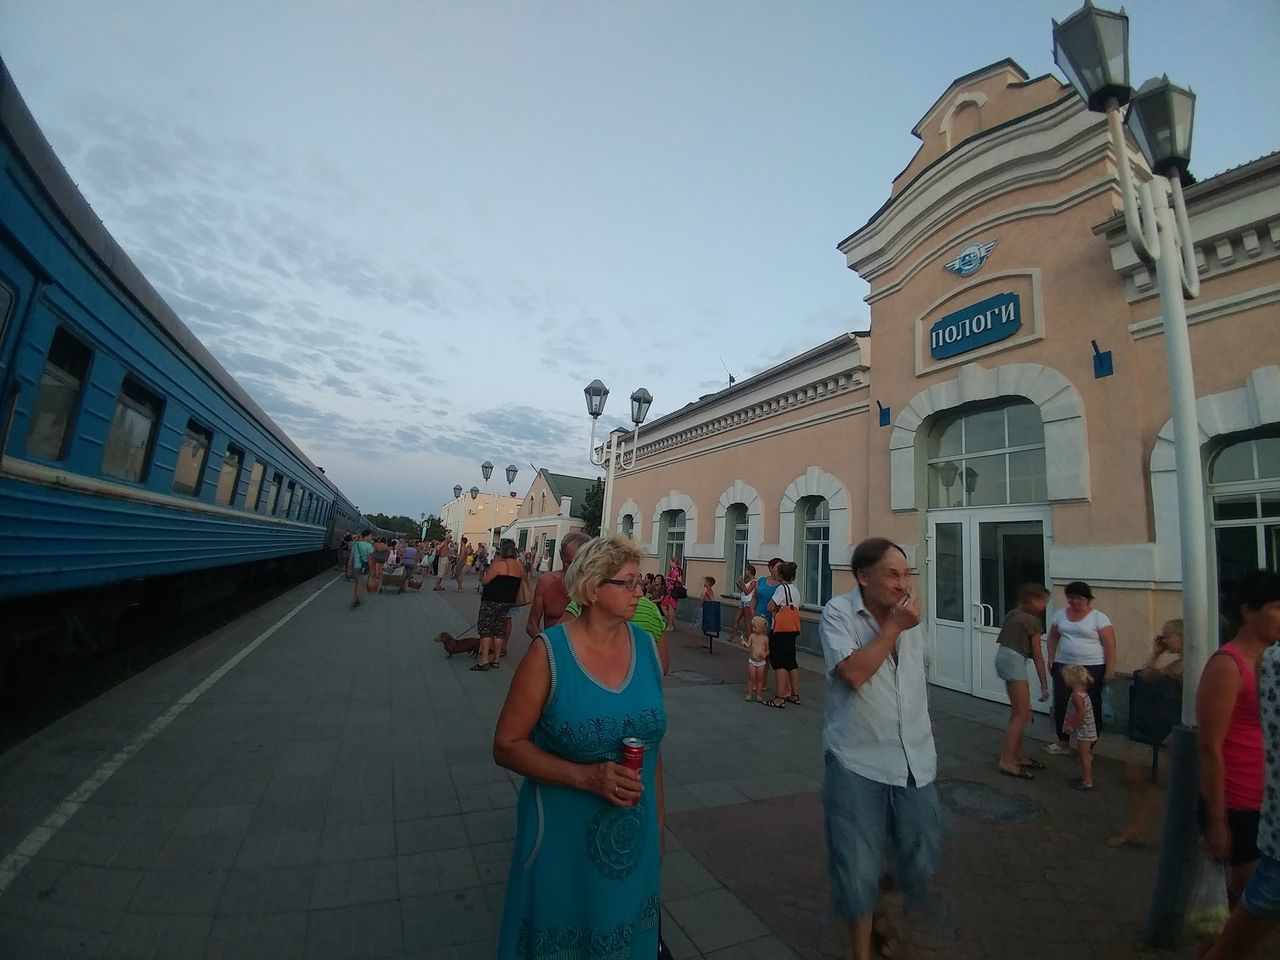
(978, 560)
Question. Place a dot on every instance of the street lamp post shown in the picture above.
(1091, 46)
(486, 470)
(613, 454)
(512, 470)
(457, 503)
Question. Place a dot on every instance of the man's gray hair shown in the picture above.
(572, 541)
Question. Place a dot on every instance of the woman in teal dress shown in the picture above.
(585, 869)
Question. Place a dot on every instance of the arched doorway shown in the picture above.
(989, 531)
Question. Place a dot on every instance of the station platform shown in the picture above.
(313, 781)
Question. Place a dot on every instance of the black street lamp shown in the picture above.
(1091, 47)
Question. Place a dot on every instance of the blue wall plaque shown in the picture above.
(987, 321)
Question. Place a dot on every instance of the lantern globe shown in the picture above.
(1160, 116)
(596, 393)
(1092, 48)
(640, 402)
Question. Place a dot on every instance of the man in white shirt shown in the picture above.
(880, 757)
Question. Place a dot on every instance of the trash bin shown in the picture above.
(1155, 706)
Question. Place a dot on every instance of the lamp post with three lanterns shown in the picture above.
(612, 453)
(486, 470)
(1092, 48)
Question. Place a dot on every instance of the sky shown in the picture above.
(414, 231)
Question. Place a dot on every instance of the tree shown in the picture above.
(397, 524)
(592, 508)
(436, 529)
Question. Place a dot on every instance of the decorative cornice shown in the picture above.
(1042, 147)
(822, 389)
(1235, 223)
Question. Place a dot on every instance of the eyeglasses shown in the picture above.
(630, 583)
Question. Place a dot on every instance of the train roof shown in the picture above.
(21, 129)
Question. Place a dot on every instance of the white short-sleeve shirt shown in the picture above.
(1079, 640)
(882, 730)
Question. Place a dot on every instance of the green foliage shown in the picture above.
(401, 524)
(592, 508)
(435, 528)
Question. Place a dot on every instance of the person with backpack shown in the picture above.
(785, 607)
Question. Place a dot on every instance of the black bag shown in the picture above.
(679, 592)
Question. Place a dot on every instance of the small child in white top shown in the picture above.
(758, 658)
(1080, 722)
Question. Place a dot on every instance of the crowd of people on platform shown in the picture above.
(592, 677)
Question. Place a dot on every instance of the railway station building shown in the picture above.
(1012, 422)
(481, 517)
(552, 509)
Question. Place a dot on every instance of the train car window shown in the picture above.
(271, 499)
(58, 397)
(255, 485)
(229, 476)
(133, 432)
(282, 509)
(6, 307)
(192, 457)
(274, 496)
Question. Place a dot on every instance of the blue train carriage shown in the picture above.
(128, 455)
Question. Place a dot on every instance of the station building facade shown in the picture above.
(551, 509)
(479, 519)
(1015, 425)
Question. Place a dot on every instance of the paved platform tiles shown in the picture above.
(333, 795)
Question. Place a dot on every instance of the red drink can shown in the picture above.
(633, 753)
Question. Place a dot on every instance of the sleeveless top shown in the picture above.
(501, 589)
(1242, 750)
(763, 596)
(585, 874)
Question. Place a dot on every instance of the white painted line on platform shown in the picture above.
(13, 864)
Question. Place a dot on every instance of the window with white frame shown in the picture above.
(814, 575)
(672, 539)
(987, 456)
(736, 531)
(628, 526)
(1244, 488)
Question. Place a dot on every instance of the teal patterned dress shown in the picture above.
(585, 873)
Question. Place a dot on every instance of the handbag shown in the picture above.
(679, 592)
(524, 595)
(786, 619)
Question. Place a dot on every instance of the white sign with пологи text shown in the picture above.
(987, 321)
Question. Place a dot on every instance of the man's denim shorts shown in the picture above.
(1261, 895)
(859, 813)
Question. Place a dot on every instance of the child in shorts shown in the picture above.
(757, 659)
(1079, 721)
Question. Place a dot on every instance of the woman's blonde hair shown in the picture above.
(598, 560)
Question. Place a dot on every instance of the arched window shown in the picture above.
(628, 526)
(735, 543)
(987, 456)
(671, 539)
(1244, 486)
(814, 550)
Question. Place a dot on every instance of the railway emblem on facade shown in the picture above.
(971, 259)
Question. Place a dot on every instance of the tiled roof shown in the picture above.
(562, 485)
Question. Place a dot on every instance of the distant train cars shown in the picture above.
(126, 451)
